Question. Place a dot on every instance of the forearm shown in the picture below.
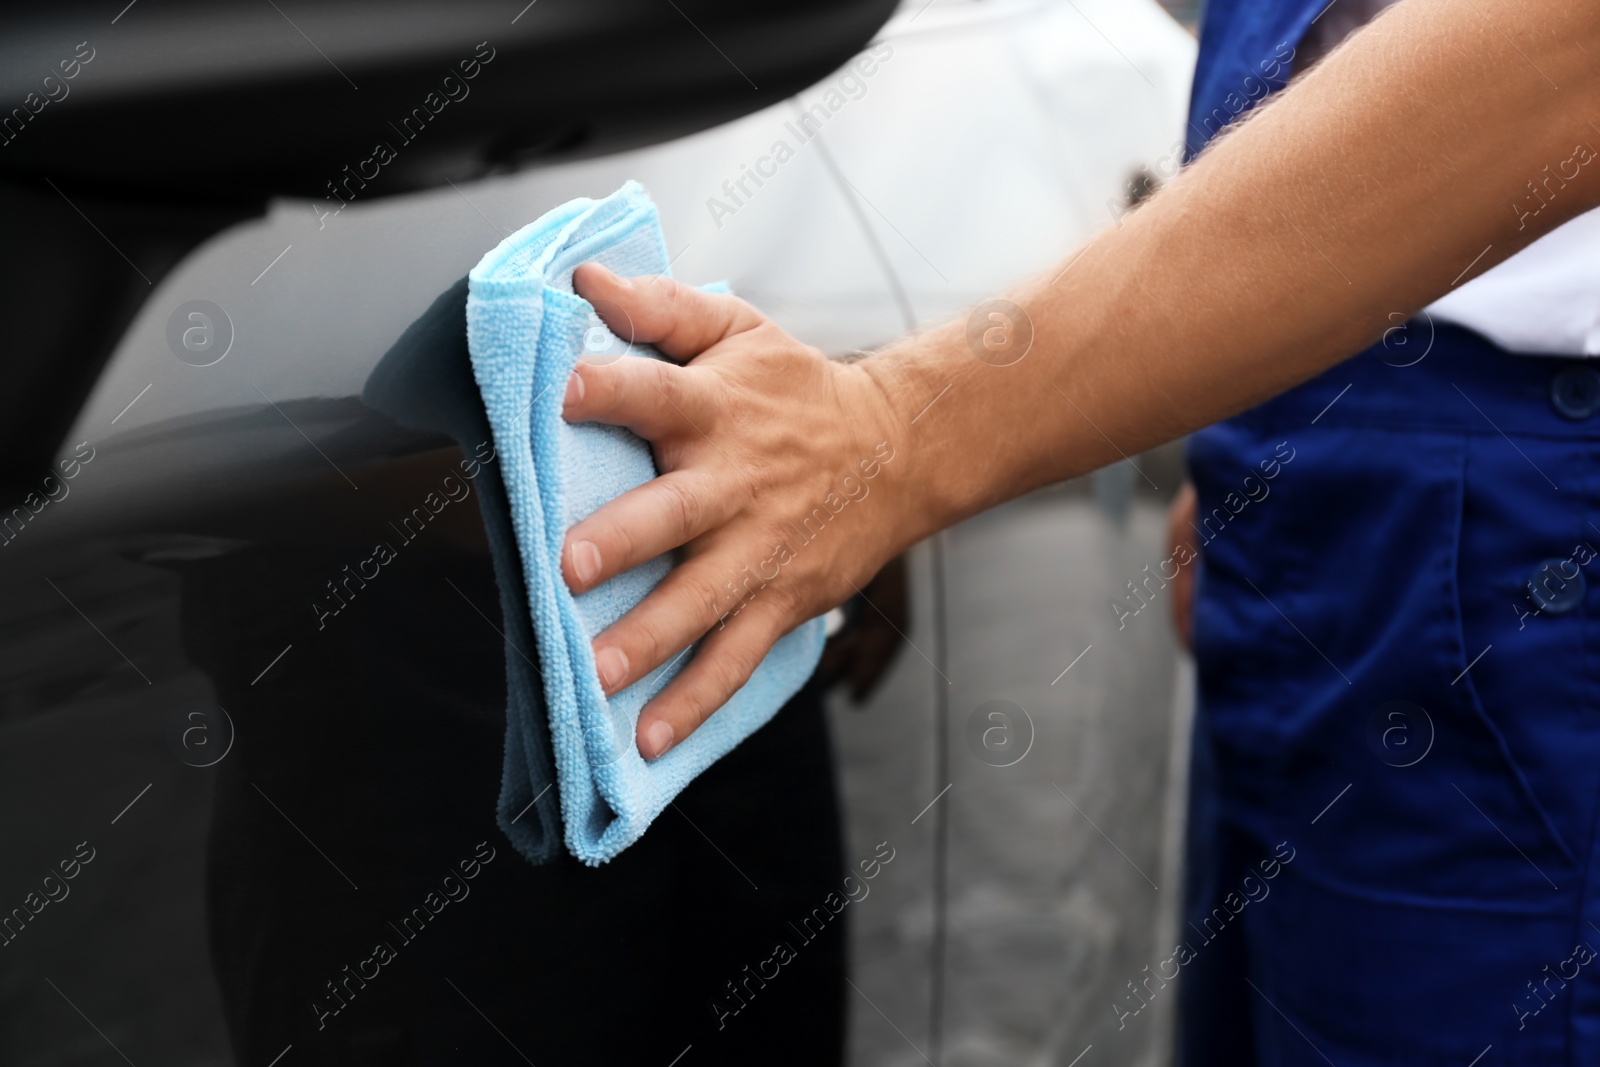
(1367, 189)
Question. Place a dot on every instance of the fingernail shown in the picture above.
(612, 664)
(574, 390)
(657, 739)
(585, 562)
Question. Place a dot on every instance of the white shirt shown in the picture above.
(1545, 299)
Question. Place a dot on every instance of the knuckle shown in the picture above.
(788, 603)
(702, 706)
(601, 391)
(618, 538)
(642, 640)
(739, 316)
(703, 597)
(672, 292)
(684, 505)
(693, 707)
(665, 381)
(672, 454)
(730, 671)
(751, 653)
(634, 376)
(654, 641)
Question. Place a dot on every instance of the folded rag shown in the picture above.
(526, 331)
(425, 382)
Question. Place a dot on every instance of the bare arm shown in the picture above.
(1366, 189)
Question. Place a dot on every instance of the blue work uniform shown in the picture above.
(1392, 840)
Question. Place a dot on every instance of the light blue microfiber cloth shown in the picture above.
(526, 331)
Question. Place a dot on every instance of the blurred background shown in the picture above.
(1036, 866)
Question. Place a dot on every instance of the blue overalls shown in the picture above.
(1392, 841)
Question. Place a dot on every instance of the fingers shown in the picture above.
(648, 396)
(725, 661)
(655, 400)
(640, 525)
(678, 319)
(677, 613)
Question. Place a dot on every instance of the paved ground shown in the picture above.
(1053, 863)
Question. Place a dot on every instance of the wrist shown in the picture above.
(910, 385)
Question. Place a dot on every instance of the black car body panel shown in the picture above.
(220, 805)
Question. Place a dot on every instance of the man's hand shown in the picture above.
(778, 481)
